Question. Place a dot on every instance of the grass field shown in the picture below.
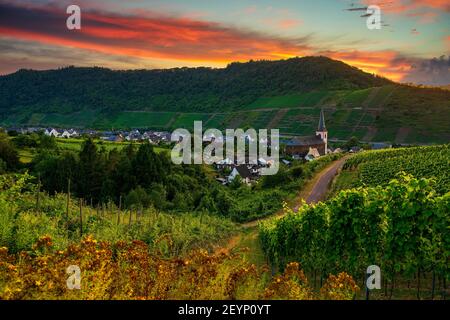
(186, 120)
(309, 99)
(356, 98)
(142, 119)
(26, 154)
(384, 110)
(380, 97)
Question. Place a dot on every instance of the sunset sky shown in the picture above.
(412, 46)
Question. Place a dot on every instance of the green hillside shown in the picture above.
(285, 94)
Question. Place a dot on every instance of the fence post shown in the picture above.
(81, 218)
(118, 212)
(67, 207)
(38, 192)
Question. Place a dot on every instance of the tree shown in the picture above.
(148, 167)
(352, 142)
(91, 171)
(8, 153)
(236, 183)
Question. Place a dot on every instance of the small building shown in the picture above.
(52, 132)
(313, 153)
(380, 145)
(243, 171)
(69, 134)
(300, 146)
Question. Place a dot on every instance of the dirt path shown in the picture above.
(314, 191)
(323, 180)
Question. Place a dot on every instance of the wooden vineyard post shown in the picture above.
(365, 285)
(38, 193)
(118, 212)
(433, 285)
(81, 218)
(67, 207)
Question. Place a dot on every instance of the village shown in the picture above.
(292, 149)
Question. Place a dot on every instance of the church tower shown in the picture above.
(322, 130)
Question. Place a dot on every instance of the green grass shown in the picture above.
(186, 120)
(386, 134)
(356, 98)
(287, 101)
(75, 145)
(142, 119)
(309, 99)
(425, 112)
(80, 119)
(217, 121)
(380, 97)
(345, 180)
(26, 154)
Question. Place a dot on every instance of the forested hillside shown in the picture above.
(181, 89)
(286, 94)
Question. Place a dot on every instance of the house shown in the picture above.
(243, 171)
(301, 146)
(52, 132)
(380, 145)
(313, 153)
(69, 134)
(355, 149)
(222, 180)
(134, 135)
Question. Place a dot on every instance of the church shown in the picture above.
(302, 146)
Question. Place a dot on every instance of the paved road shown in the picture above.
(320, 188)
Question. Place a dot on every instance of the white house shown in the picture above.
(313, 153)
(51, 132)
(241, 171)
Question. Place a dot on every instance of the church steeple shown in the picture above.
(322, 126)
(322, 130)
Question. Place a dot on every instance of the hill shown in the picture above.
(285, 94)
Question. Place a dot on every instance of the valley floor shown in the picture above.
(313, 191)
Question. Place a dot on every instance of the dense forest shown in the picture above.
(73, 89)
(137, 177)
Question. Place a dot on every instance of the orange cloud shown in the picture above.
(401, 6)
(384, 63)
(151, 37)
(289, 23)
(181, 40)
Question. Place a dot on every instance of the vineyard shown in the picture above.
(26, 215)
(372, 168)
(401, 227)
(126, 270)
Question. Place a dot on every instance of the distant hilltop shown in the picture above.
(285, 94)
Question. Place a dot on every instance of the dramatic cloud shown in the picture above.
(35, 36)
(430, 72)
(156, 36)
(388, 63)
(407, 6)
